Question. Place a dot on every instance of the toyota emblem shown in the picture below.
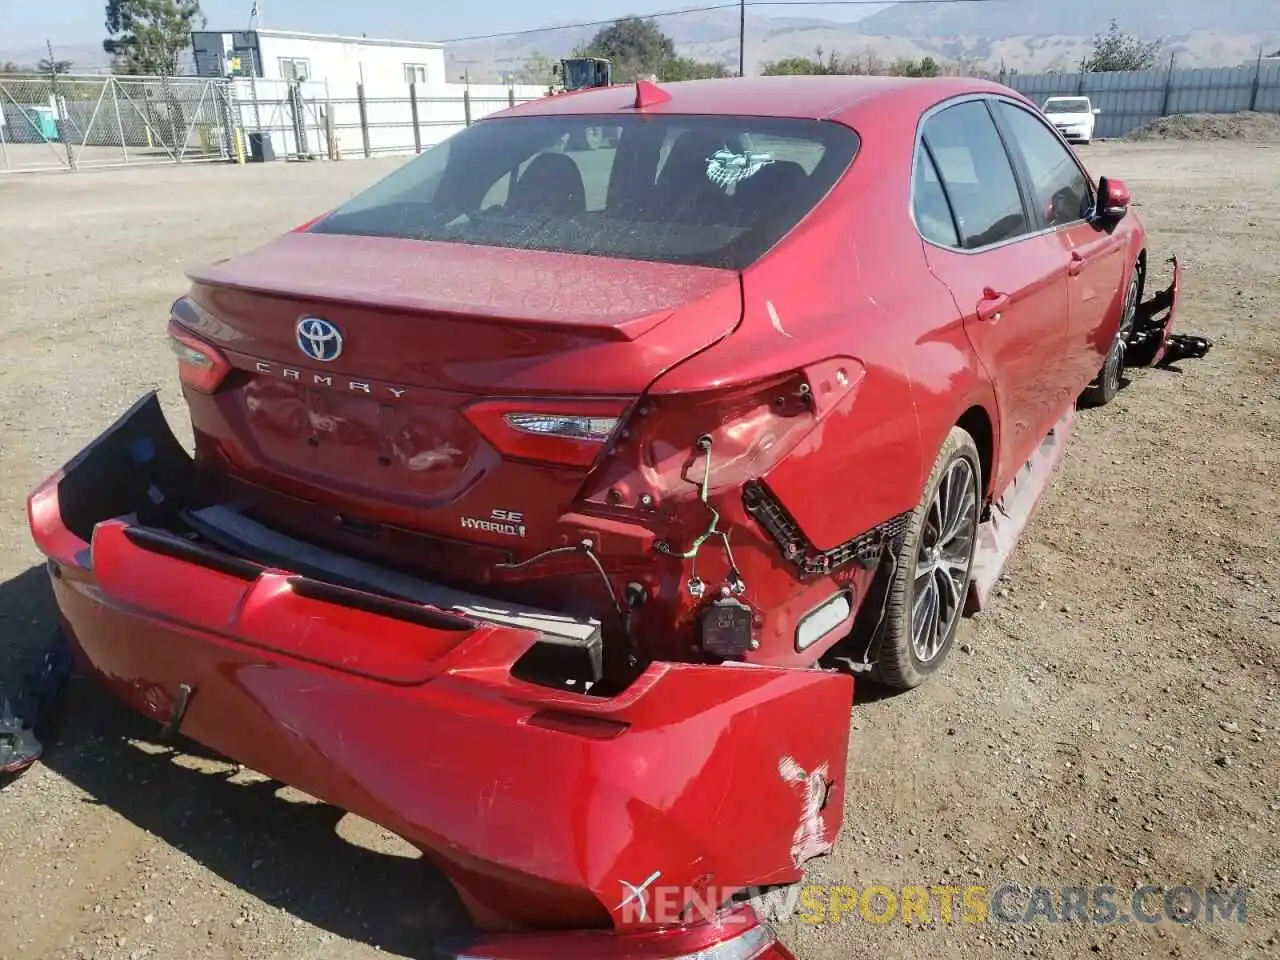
(319, 339)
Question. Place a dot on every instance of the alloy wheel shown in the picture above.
(1114, 368)
(943, 559)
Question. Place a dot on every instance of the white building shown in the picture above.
(342, 62)
(355, 91)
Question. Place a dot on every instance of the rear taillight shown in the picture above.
(572, 432)
(736, 936)
(736, 433)
(201, 366)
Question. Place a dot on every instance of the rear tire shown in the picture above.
(1106, 384)
(934, 561)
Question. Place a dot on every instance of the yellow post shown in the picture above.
(150, 143)
(239, 136)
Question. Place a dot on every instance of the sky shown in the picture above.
(81, 21)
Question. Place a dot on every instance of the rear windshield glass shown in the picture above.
(710, 191)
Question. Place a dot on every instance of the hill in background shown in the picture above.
(85, 57)
(1044, 18)
(1026, 35)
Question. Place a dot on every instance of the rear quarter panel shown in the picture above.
(852, 282)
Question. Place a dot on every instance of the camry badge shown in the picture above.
(319, 339)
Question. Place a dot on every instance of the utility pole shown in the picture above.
(1257, 82)
(742, 38)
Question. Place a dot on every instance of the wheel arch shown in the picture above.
(975, 410)
(979, 424)
(979, 421)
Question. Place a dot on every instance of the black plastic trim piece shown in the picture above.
(28, 718)
(865, 549)
(381, 606)
(175, 547)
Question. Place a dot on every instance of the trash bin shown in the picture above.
(46, 122)
(260, 148)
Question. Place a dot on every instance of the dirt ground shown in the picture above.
(48, 157)
(1247, 125)
(1112, 720)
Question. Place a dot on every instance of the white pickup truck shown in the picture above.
(1073, 116)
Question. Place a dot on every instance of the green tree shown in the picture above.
(817, 65)
(868, 64)
(634, 45)
(146, 36)
(1116, 50)
(54, 66)
(792, 67)
(687, 68)
(924, 67)
(536, 69)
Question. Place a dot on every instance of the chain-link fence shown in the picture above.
(279, 119)
(60, 122)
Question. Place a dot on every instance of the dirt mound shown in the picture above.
(1255, 127)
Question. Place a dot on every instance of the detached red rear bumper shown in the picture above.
(547, 810)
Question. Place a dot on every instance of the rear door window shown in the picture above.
(1061, 189)
(977, 173)
(714, 191)
(929, 203)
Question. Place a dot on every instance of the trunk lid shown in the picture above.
(371, 422)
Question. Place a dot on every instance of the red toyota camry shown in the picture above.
(546, 494)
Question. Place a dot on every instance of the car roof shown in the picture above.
(806, 97)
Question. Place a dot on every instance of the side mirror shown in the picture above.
(1096, 111)
(1113, 199)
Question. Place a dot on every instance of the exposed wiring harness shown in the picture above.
(696, 585)
(624, 611)
(584, 547)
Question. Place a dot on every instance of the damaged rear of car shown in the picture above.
(533, 488)
(413, 713)
(471, 373)
(450, 555)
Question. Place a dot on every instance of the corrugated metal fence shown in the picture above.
(1128, 100)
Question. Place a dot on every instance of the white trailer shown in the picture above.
(340, 61)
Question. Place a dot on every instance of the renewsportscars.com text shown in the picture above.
(952, 904)
(1007, 903)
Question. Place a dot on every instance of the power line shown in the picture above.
(707, 8)
(855, 3)
(590, 23)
